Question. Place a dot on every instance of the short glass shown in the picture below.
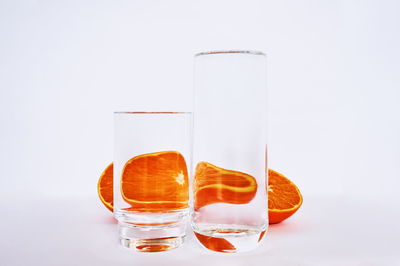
(229, 153)
(152, 152)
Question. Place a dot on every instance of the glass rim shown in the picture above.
(148, 112)
(252, 52)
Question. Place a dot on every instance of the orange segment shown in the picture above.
(214, 184)
(284, 198)
(105, 187)
(156, 182)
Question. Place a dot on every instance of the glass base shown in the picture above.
(152, 245)
(152, 237)
(230, 240)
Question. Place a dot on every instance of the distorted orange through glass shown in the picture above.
(154, 245)
(156, 182)
(261, 236)
(215, 243)
(213, 184)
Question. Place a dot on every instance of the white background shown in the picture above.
(333, 80)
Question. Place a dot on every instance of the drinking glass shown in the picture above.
(152, 152)
(229, 152)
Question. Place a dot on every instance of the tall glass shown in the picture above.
(229, 152)
(151, 183)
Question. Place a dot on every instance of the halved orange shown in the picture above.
(105, 187)
(156, 182)
(284, 198)
(213, 184)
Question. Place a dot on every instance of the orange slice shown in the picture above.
(214, 184)
(284, 198)
(156, 182)
(105, 187)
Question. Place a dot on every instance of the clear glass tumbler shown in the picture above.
(229, 152)
(151, 183)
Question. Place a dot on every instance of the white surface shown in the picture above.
(326, 231)
(333, 74)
